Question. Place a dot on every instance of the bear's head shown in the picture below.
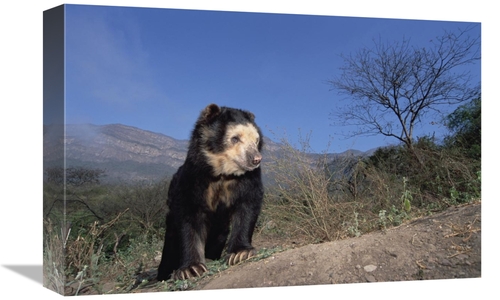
(231, 141)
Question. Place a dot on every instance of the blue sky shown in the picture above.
(157, 68)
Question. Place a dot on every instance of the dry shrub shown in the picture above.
(53, 258)
(85, 251)
(301, 202)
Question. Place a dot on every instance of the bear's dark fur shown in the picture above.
(218, 187)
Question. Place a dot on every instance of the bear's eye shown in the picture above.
(235, 139)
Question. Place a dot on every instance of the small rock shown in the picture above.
(445, 262)
(393, 254)
(370, 268)
(370, 278)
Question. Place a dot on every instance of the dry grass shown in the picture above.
(53, 259)
(84, 252)
(303, 201)
(465, 231)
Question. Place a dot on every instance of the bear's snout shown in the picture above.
(257, 159)
(253, 158)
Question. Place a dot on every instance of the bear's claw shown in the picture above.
(189, 272)
(236, 258)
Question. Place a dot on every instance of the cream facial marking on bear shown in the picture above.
(241, 153)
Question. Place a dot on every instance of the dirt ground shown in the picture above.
(442, 246)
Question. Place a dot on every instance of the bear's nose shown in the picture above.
(256, 159)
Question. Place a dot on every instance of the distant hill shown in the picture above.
(125, 153)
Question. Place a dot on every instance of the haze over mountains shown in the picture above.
(125, 153)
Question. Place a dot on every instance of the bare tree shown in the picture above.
(392, 86)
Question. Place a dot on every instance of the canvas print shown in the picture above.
(201, 150)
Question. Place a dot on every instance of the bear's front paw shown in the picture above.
(189, 272)
(235, 258)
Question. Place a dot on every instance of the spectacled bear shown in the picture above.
(218, 187)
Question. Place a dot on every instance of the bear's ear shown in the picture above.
(251, 116)
(210, 112)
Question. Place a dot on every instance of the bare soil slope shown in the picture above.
(442, 246)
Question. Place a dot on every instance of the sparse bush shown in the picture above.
(148, 204)
(303, 200)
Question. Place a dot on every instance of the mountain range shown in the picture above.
(125, 153)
